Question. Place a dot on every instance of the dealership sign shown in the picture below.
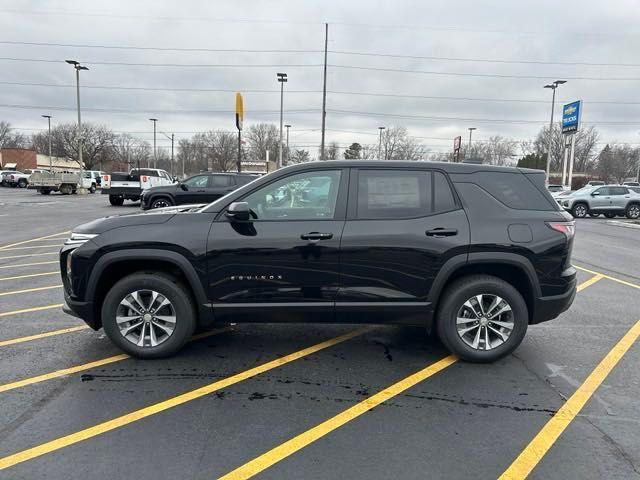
(571, 117)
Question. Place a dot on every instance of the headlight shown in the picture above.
(78, 239)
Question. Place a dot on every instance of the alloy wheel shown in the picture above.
(485, 321)
(160, 203)
(634, 211)
(580, 211)
(146, 318)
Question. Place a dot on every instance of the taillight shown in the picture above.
(105, 178)
(568, 228)
(144, 178)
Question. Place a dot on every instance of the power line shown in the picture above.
(333, 92)
(180, 65)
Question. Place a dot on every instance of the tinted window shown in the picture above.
(602, 191)
(219, 181)
(513, 189)
(243, 179)
(443, 200)
(393, 194)
(305, 196)
(197, 181)
(635, 189)
(618, 191)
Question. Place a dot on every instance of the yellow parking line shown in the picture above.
(34, 239)
(32, 309)
(588, 283)
(29, 264)
(153, 409)
(27, 290)
(291, 446)
(32, 246)
(544, 440)
(52, 333)
(3, 279)
(609, 277)
(87, 366)
(29, 255)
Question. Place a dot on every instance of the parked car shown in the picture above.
(594, 183)
(610, 200)
(631, 184)
(475, 253)
(554, 188)
(3, 173)
(202, 188)
(16, 179)
(634, 189)
(121, 186)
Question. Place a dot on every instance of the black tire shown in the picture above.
(610, 215)
(633, 211)
(161, 202)
(580, 210)
(22, 183)
(594, 214)
(66, 189)
(92, 188)
(462, 290)
(174, 291)
(116, 201)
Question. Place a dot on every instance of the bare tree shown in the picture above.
(221, 150)
(617, 162)
(584, 155)
(331, 151)
(299, 156)
(262, 137)
(10, 138)
(129, 150)
(97, 142)
(398, 145)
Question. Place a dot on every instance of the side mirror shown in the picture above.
(175, 179)
(239, 211)
(184, 187)
(595, 193)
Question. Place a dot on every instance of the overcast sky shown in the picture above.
(572, 34)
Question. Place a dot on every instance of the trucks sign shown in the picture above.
(571, 117)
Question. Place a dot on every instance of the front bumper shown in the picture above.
(82, 310)
(548, 308)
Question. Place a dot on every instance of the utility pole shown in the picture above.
(282, 78)
(380, 143)
(80, 190)
(553, 87)
(170, 138)
(324, 90)
(471, 129)
(155, 152)
(48, 117)
(287, 127)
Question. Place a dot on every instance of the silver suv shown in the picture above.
(611, 200)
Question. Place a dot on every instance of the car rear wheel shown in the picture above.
(148, 315)
(161, 202)
(482, 318)
(92, 188)
(579, 210)
(116, 201)
(633, 211)
(594, 214)
(22, 183)
(610, 215)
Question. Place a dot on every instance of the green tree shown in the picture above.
(353, 152)
(534, 160)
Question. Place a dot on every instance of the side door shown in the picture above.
(283, 263)
(600, 199)
(619, 197)
(219, 186)
(192, 190)
(402, 226)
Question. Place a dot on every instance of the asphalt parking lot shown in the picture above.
(305, 401)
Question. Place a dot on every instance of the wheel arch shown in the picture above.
(114, 266)
(156, 196)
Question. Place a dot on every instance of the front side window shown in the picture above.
(305, 196)
(602, 191)
(393, 194)
(199, 181)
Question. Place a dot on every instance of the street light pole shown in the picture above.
(471, 129)
(380, 143)
(282, 78)
(170, 138)
(80, 190)
(287, 127)
(48, 117)
(155, 153)
(553, 87)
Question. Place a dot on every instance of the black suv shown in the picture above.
(473, 252)
(201, 188)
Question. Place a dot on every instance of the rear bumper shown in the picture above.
(82, 310)
(125, 192)
(548, 308)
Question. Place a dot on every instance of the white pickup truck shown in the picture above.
(121, 186)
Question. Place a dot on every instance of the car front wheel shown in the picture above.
(148, 315)
(482, 318)
(161, 202)
(579, 210)
(633, 211)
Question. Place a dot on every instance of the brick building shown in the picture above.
(26, 159)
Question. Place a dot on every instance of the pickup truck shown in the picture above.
(16, 179)
(121, 186)
(65, 183)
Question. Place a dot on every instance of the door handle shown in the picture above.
(316, 236)
(441, 232)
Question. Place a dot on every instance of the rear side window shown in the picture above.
(219, 181)
(443, 200)
(513, 189)
(244, 179)
(618, 191)
(393, 194)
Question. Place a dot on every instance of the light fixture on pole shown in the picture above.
(287, 127)
(155, 152)
(471, 129)
(282, 78)
(380, 143)
(48, 117)
(77, 66)
(553, 87)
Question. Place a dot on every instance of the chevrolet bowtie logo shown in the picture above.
(569, 110)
